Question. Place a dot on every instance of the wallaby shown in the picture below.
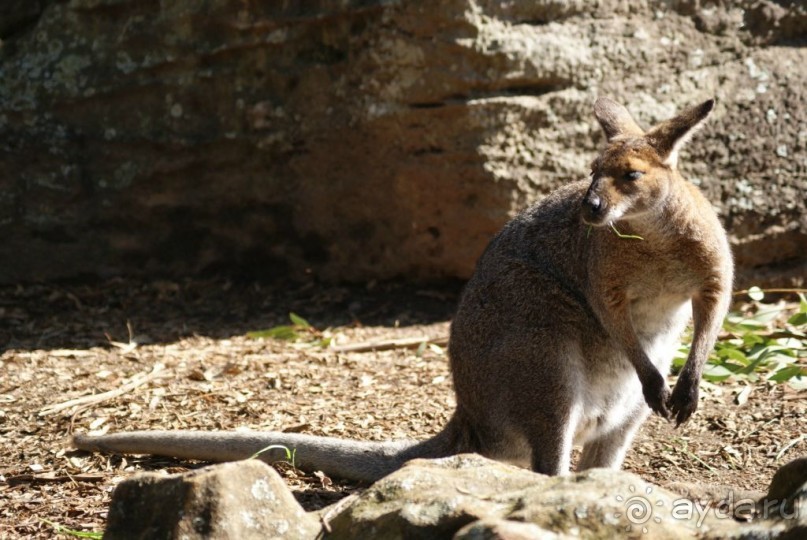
(566, 330)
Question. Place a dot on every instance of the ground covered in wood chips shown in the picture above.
(177, 355)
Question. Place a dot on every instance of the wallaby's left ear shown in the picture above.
(615, 119)
(669, 136)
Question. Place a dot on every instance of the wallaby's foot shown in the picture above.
(684, 399)
(657, 394)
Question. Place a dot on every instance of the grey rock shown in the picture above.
(472, 497)
(240, 500)
(17, 15)
(502, 529)
(711, 492)
(466, 497)
(787, 493)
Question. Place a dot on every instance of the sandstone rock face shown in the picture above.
(364, 139)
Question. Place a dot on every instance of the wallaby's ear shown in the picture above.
(669, 136)
(615, 119)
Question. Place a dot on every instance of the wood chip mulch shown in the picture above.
(129, 354)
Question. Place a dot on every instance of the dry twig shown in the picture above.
(387, 344)
(137, 380)
(334, 510)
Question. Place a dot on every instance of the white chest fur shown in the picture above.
(610, 396)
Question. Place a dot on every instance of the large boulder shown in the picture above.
(236, 501)
(364, 139)
(468, 497)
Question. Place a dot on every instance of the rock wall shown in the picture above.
(359, 139)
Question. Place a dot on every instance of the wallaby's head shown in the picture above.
(633, 175)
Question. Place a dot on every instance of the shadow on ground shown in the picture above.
(82, 315)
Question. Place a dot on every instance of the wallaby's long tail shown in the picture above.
(353, 460)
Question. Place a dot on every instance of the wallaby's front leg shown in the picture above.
(708, 308)
(616, 318)
(654, 386)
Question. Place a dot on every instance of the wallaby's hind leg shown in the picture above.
(504, 445)
(551, 437)
(609, 450)
(499, 441)
(550, 424)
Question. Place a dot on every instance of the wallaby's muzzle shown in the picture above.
(594, 208)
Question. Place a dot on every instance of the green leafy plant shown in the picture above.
(300, 330)
(290, 454)
(58, 529)
(765, 342)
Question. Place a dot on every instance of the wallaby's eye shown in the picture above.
(633, 175)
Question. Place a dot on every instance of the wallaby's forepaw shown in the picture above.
(657, 395)
(684, 399)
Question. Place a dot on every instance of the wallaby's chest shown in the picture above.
(612, 390)
(660, 307)
(659, 314)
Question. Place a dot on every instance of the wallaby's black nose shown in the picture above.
(593, 202)
(594, 208)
